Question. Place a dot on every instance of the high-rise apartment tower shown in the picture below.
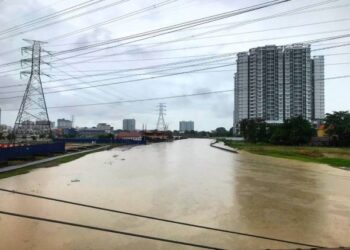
(276, 83)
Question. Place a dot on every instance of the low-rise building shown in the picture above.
(63, 123)
(321, 131)
(91, 132)
(132, 135)
(104, 126)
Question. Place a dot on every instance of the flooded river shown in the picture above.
(184, 180)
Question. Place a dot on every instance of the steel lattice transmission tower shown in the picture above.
(161, 126)
(33, 119)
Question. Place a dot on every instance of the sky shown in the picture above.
(229, 35)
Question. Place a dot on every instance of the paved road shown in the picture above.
(222, 146)
(10, 168)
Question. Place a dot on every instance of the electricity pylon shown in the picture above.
(32, 119)
(161, 126)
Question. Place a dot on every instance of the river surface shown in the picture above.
(184, 180)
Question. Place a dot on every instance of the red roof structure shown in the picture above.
(129, 135)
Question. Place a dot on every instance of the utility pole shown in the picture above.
(161, 126)
(33, 119)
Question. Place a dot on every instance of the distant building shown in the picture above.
(42, 125)
(318, 87)
(31, 128)
(104, 126)
(102, 129)
(91, 132)
(129, 124)
(4, 128)
(186, 126)
(275, 83)
(65, 132)
(63, 123)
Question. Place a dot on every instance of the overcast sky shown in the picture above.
(207, 111)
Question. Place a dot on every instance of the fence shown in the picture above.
(20, 152)
(102, 141)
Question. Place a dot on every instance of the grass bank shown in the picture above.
(337, 157)
(52, 163)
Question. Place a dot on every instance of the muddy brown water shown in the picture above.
(184, 180)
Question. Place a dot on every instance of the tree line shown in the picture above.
(297, 131)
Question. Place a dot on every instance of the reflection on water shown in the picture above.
(187, 181)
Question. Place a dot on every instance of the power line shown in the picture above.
(193, 37)
(102, 80)
(155, 98)
(242, 23)
(49, 6)
(110, 70)
(125, 16)
(149, 67)
(130, 14)
(308, 6)
(170, 58)
(135, 100)
(155, 66)
(196, 47)
(224, 57)
(141, 79)
(68, 18)
(267, 17)
(127, 81)
(156, 218)
(207, 60)
(83, 75)
(121, 39)
(250, 21)
(282, 37)
(109, 230)
(165, 30)
(102, 74)
(50, 16)
(73, 76)
(160, 69)
(165, 58)
(224, 44)
(169, 29)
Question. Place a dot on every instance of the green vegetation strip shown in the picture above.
(337, 157)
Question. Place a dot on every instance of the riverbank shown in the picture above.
(336, 157)
(50, 162)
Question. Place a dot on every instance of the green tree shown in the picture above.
(230, 131)
(254, 130)
(294, 131)
(204, 134)
(338, 126)
(221, 132)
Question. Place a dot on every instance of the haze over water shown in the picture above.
(187, 181)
